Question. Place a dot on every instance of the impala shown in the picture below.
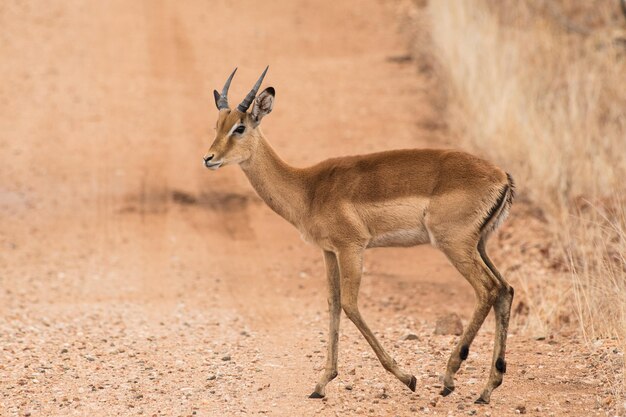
(447, 198)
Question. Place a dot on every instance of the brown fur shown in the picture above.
(450, 199)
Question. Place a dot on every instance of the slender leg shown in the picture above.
(334, 310)
(350, 267)
(502, 309)
(486, 292)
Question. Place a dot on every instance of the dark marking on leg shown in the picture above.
(511, 291)
(501, 365)
(464, 352)
(446, 391)
(412, 383)
(316, 395)
(333, 375)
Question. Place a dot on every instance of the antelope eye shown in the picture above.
(240, 130)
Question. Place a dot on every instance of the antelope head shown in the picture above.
(236, 132)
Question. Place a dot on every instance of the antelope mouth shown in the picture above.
(213, 165)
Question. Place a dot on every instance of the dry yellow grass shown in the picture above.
(540, 87)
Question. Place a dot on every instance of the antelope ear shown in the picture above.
(216, 95)
(263, 105)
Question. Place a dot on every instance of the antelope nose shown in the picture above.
(207, 158)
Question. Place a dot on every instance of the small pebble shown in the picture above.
(226, 358)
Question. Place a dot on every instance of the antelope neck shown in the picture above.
(280, 185)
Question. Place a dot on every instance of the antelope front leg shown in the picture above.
(350, 268)
(334, 311)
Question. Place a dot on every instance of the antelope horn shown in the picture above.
(245, 104)
(221, 100)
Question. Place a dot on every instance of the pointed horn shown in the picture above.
(245, 104)
(221, 100)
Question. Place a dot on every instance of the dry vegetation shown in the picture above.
(540, 87)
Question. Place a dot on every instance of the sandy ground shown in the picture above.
(135, 282)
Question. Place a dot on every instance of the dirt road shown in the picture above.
(135, 282)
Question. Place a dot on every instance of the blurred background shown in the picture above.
(129, 273)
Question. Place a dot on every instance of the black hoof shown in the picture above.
(316, 395)
(480, 400)
(446, 391)
(412, 383)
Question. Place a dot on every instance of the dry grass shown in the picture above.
(540, 87)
